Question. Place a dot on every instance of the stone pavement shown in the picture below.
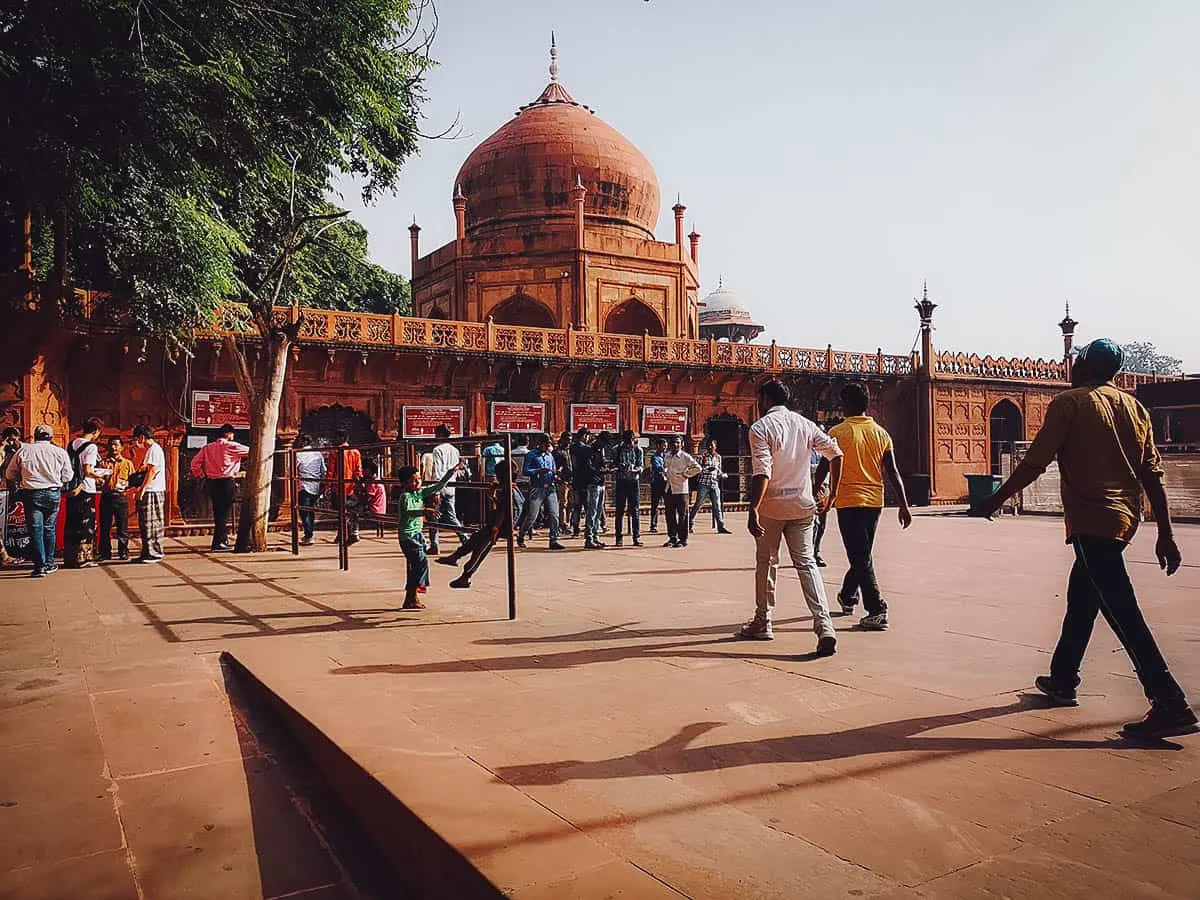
(611, 742)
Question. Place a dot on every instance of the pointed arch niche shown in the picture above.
(632, 316)
(520, 309)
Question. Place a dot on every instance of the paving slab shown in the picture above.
(615, 740)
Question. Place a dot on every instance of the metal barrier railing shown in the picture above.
(341, 488)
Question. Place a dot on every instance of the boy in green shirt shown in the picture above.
(412, 511)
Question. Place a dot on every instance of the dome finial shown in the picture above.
(720, 281)
(553, 58)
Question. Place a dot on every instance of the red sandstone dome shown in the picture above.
(524, 172)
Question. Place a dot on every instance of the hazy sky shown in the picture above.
(1016, 155)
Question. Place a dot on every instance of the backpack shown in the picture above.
(77, 475)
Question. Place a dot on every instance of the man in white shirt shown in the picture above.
(311, 472)
(152, 495)
(679, 466)
(79, 531)
(445, 458)
(782, 506)
(41, 470)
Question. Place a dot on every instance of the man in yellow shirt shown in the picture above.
(867, 460)
(1104, 443)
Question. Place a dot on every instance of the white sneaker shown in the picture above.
(756, 630)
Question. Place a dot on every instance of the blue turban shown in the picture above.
(1104, 356)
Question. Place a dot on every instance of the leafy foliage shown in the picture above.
(1141, 356)
(333, 272)
(179, 140)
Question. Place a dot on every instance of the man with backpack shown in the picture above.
(79, 531)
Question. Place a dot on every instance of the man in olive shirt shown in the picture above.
(1104, 443)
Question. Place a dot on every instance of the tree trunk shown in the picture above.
(264, 400)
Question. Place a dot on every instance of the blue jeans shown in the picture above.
(308, 516)
(713, 493)
(41, 512)
(540, 496)
(446, 516)
(595, 510)
(418, 563)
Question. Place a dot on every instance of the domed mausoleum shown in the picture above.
(723, 316)
(555, 215)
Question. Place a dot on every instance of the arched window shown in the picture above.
(633, 317)
(1006, 426)
(522, 310)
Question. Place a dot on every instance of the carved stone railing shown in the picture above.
(962, 365)
(362, 331)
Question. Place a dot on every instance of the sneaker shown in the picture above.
(416, 604)
(620, 542)
(681, 544)
(225, 548)
(654, 529)
(150, 559)
(461, 582)
(557, 546)
(821, 563)
(1161, 722)
(877, 622)
(671, 543)
(123, 557)
(521, 543)
(723, 530)
(827, 646)
(595, 545)
(446, 561)
(1060, 696)
(37, 573)
(756, 630)
(306, 542)
(638, 543)
(52, 568)
(848, 605)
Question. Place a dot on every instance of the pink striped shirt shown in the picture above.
(219, 459)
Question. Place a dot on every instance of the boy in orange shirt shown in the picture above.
(867, 461)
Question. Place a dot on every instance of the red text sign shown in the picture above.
(664, 419)
(518, 417)
(422, 421)
(595, 417)
(212, 409)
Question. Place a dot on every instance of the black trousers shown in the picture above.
(857, 525)
(677, 517)
(627, 503)
(658, 493)
(1100, 583)
(114, 509)
(818, 533)
(220, 492)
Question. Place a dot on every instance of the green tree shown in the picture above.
(180, 153)
(333, 272)
(1144, 357)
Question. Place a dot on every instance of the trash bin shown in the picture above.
(980, 487)
(916, 485)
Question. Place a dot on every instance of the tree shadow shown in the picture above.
(679, 754)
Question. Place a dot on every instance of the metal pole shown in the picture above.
(339, 471)
(512, 527)
(294, 487)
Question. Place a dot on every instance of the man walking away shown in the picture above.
(152, 496)
(628, 485)
(114, 504)
(12, 443)
(679, 466)
(492, 452)
(712, 473)
(658, 480)
(41, 469)
(445, 458)
(1104, 443)
(218, 463)
(782, 507)
(868, 460)
(539, 467)
(311, 472)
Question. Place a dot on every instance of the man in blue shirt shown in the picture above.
(492, 452)
(541, 471)
(658, 480)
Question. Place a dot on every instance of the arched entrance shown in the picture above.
(323, 423)
(633, 317)
(522, 310)
(732, 438)
(1006, 427)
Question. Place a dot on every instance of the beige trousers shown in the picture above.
(799, 536)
